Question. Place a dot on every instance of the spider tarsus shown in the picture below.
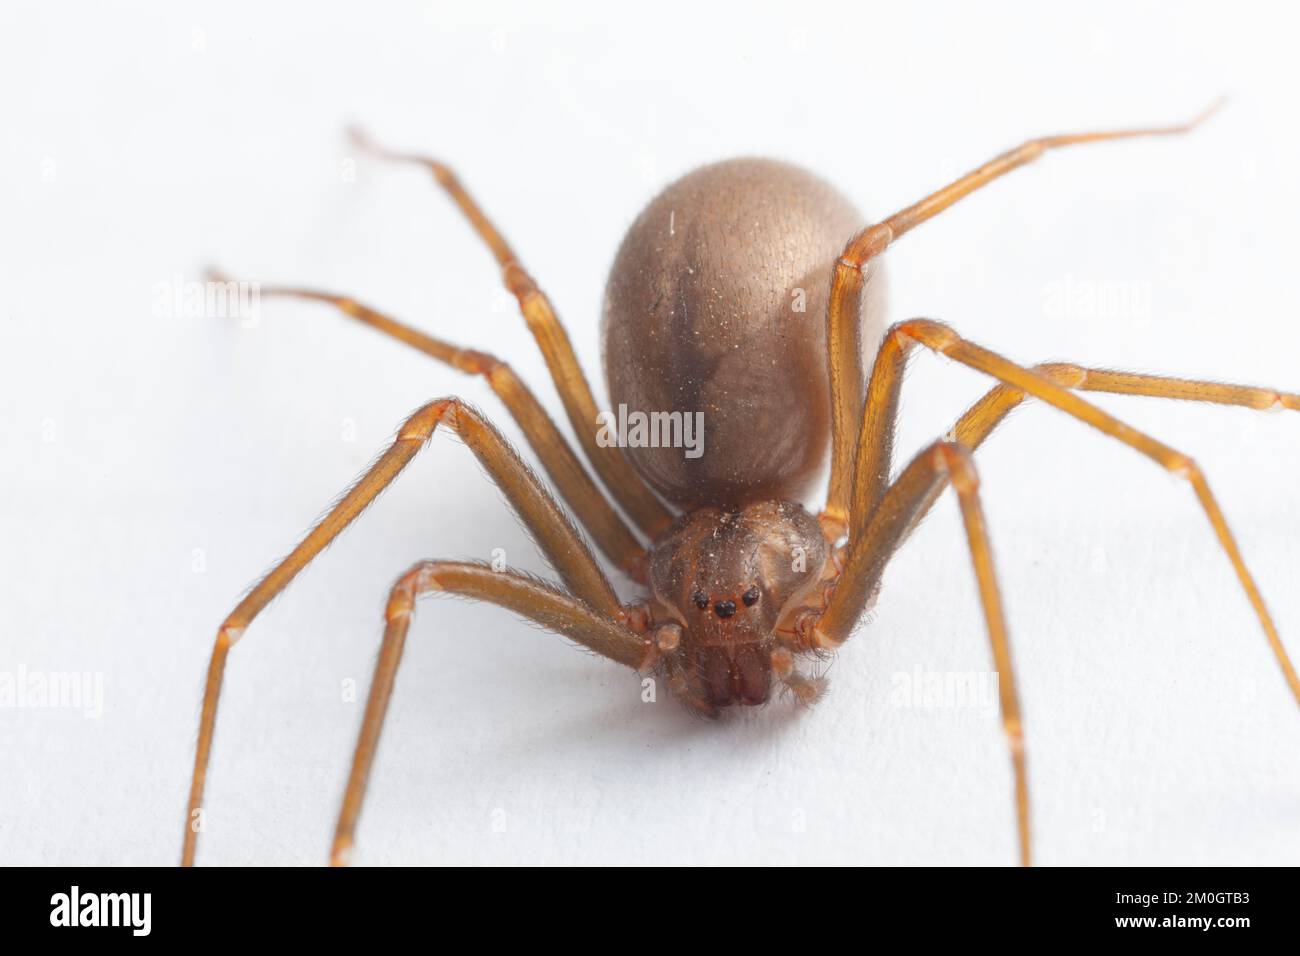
(1209, 111)
(341, 854)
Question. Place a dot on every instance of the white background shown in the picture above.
(152, 465)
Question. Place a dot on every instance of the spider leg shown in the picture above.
(535, 600)
(555, 534)
(985, 415)
(589, 504)
(876, 437)
(614, 468)
(872, 547)
(885, 514)
(844, 312)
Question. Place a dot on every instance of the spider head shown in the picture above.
(728, 577)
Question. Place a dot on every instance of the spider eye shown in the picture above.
(701, 600)
(751, 596)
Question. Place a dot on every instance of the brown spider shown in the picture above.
(706, 312)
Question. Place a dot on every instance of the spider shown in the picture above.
(743, 583)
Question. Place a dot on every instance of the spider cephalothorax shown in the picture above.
(727, 583)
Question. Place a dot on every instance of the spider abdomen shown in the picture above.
(715, 313)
